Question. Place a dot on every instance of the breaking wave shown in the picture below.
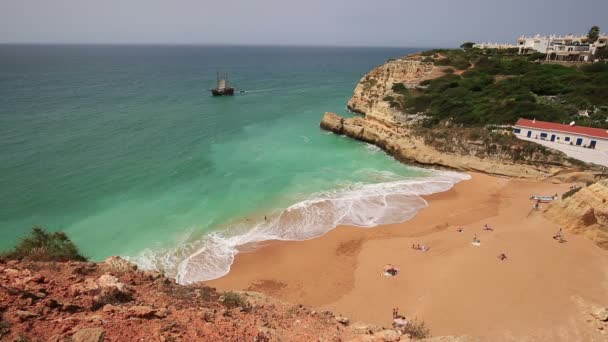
(362, 205)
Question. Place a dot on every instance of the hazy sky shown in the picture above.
(420, 23)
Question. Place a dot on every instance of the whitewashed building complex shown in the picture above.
(566, 48)
(585, 137)
(495, 46)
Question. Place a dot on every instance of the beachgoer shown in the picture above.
(502, 256)
(460, 230)
(265, 219)
(558, 236)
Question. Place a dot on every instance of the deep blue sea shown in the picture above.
(124, 148)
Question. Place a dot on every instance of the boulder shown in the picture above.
(342, 320)
(11, 272)
(141, 311)
(108, 308)
(25, 315)
(108, 280)
(88, 286)
(89, 335)
(388, 335)
(118, 265)
(362, 328)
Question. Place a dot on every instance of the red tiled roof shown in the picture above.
(550, 126)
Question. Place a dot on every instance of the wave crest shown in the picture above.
(362, 205)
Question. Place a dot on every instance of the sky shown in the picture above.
(404, 23)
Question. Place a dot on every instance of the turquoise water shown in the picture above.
(125, 150)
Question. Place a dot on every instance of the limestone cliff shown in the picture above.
(368, 98)
(406, 147)
(398, 133)
(585, 212)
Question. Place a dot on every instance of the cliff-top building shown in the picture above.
(563, 48)
(594, 138)
(495, 46)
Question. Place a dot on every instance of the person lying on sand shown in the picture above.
(460, 230)
(476, 240)
(502, 256)
(486, 227)
(425, 248)
(390, 270)
(558, 235)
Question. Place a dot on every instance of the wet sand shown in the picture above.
(542, 292)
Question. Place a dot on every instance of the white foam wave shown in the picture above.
(362, 205)
(372, 148)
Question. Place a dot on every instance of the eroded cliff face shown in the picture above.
(391, 129)
(378, 83)
(585, 213)
(406, 147)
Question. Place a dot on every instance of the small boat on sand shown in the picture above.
(543, 199)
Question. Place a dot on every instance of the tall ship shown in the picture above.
(222, 88)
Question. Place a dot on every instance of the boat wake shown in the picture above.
(362, 205)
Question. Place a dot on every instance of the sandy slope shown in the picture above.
(543, 292)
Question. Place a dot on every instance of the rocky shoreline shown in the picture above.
(391, 130)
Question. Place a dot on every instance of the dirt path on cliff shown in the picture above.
(542, 292)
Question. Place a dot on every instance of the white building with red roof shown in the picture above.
(593, 138)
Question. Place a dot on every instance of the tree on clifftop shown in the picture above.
(594, 34)
(41, 245)
(467, 45)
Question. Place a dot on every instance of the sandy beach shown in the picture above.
(543, 291)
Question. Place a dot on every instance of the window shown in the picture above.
(543, 135)
(567, 138)
(517, 130)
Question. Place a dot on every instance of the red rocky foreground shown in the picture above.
(113, 301)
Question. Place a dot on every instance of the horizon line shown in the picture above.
(217, 45)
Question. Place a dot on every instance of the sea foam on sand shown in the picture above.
(362, 205)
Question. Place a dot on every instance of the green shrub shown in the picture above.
(399, 88)
(234, 300)
(417, 330)
(570, 192)
(504, 87)
(41, 245)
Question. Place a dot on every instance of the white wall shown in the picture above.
(601, 144)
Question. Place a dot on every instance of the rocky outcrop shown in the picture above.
(53, 302)
(368, 98)
(406, 147)
(585, 213)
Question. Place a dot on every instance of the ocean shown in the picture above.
(124, 149)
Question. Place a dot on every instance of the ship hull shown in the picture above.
(222, 92)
